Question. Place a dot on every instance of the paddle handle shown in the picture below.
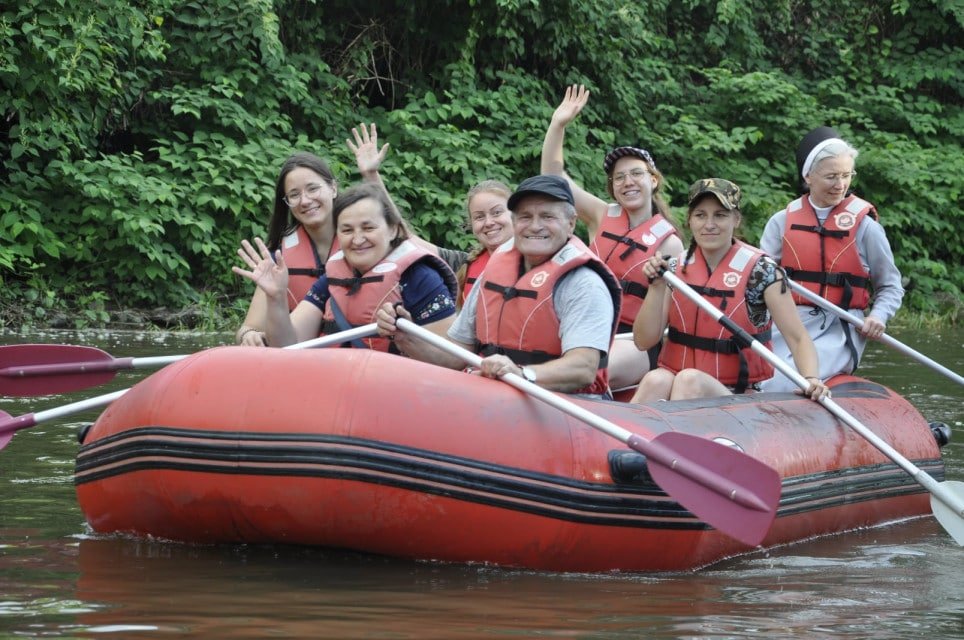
(58, 368)
(743, 337)
(348, 335)
(650, 448)
(890, 341)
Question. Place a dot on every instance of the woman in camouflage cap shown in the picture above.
(701, 358)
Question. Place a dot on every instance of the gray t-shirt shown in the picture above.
(582, 304)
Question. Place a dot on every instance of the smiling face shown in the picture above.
(633, 184)
(712, 226)
(364, 234)
(490, 219)
(309, 196)
(541, 226)
(830, 179)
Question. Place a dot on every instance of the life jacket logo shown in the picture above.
(539, 279)
(384, 267)
(648, 239)
(845, 220)
(731, 279)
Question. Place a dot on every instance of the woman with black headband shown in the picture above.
(830, 242)
(624, 233)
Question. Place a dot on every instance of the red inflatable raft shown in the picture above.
(372, 452)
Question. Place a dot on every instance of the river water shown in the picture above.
(58, 580)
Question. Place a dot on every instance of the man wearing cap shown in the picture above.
(830, 242)
(545, 306)
(701, 358)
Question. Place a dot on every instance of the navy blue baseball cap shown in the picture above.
(555, 187)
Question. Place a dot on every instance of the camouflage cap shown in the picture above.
(725, 191)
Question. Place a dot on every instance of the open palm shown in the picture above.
(270, 275)
(576, 98)
(365, 147)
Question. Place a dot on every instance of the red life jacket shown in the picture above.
(697, 341)
(624, 250)
(473, 271)
(515, 314)
(825, 259)
(304, 264)
(358, 297)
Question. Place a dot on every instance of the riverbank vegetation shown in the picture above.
(140, 141)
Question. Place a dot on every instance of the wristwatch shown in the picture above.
(529, 374)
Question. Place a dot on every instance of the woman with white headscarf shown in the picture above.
(829, 241)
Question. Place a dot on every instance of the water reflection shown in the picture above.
(57, 581)
(874, 585)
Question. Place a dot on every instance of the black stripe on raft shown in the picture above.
(371, 461)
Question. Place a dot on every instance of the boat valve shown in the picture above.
(942, 433)
(629, 467)
(83, 431)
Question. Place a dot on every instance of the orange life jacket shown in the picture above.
(697, 341)
(515, 314)
(304, 264)
(473, 271)
(825, 259)
(358, 297)
(624, 251)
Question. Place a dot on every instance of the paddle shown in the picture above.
(44, 369)
(9, 425)
(947, 498)
(722, 486)
(886, 339)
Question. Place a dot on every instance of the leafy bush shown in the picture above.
(141, 140)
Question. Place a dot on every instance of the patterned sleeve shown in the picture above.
(425, 295)
(764, 273)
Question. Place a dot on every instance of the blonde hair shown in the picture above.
(486, 186)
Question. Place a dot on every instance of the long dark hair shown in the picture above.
(282, 222)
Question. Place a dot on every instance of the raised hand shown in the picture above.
(576, 98)
(365, 147)
(270, 275)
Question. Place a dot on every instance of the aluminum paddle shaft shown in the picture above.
(947, 498)
(9, 425)
(886, 339)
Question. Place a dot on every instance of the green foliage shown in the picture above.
(140, 141)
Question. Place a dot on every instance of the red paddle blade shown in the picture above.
(65, 372)
(720, 485)
(5, 436)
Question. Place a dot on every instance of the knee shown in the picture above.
(688, 384)
(655, 385)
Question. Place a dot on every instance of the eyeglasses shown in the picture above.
(833, 177)
(293, 198)
(636, 174)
